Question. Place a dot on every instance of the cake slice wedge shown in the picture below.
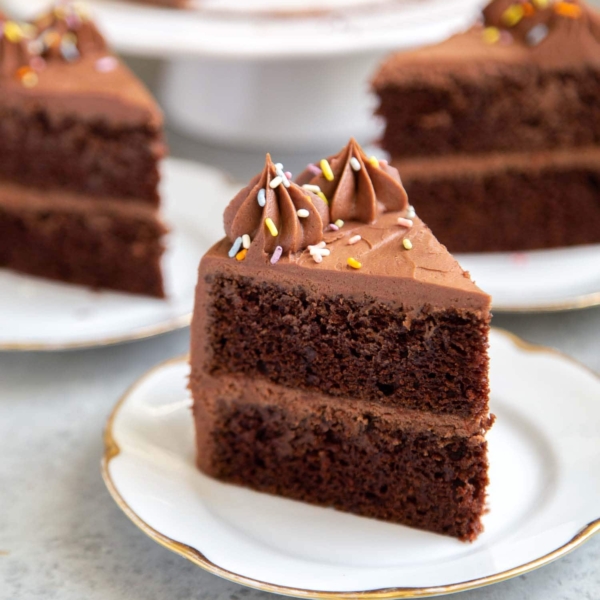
(80, 145)
(339, 352)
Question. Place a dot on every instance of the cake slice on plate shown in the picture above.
(80, 144)
(339, 352)
(497, 130)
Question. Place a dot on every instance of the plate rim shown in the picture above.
(574, 303)
(112, 450)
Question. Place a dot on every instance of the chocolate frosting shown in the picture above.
(564, 28)
(361, 194)
(80, 80)
(560, 42)
(244, 215)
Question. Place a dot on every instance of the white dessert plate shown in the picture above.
(36, 314)
(544, 495)
(339, 27)
(538, 281)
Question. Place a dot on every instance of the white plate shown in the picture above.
(544, 493)
(160, 32)
(544, 280)
(36, 314)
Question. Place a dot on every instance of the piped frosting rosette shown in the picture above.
(14, 40)
(357, 188)
(275, 216)
(66, 32)
(532, 22)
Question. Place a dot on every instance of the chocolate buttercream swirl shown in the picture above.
(358, 188)
(274, 214)
(572, 23)
(66, 33)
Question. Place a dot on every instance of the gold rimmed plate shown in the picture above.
(41, 315)
(544, 494)
(538, 281)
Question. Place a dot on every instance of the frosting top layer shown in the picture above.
(280, 231)
(60, 63)
(357, 188)
(547, 34)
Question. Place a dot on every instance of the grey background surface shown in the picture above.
(62, 536)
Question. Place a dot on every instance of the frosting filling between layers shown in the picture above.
(260, 392)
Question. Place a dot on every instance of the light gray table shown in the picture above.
(61, 535)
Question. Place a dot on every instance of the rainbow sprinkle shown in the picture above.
(326, 168)
(13, 32)
(513, 15)
(322, 196)
(354, 240)
(106, 64)
(333, 227)
(284, 179)
(316, 246)
(339, 223)
(302, 213)
(317, 258)
(271, 227)
(313, 169)
(235, 248)
(536, 34)
(246, 241)
(276, 182)
(410, 212)
(541, 4)
(262, 197)
(565, 9)
(405, 222)
(407, 244)
(315, 189)
(276, 255)
(352, 262)
(373, 160)
(288, 174)
(28, 77)
(241, 255)
(491, 35)
(354, 164)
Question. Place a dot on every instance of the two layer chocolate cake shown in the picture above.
(497, 130)
(80, 143)
(339, 352)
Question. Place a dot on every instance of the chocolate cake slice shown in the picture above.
(339, 352)
(80, 144)
(497, 130)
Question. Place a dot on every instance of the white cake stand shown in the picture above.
(283, 81)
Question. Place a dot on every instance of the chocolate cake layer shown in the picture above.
(61, 236)
(417, 341)
(79, 156)
(469, 199)
(402, 466)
